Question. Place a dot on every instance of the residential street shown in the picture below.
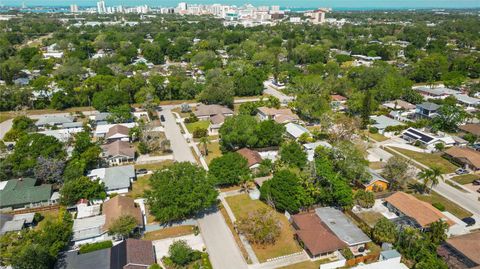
(180, 148)
(221, 246)
(284, 99)
(469, 200)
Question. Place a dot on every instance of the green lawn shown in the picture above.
(213, 151)
(377, 137)
(430, 160)
(307, 264)
(139, 187)
(154, 166)
(242, 205)
(169, 232)
(376, 165)
(450, 206)
(199, 124)
(370, 217)
(465, 179)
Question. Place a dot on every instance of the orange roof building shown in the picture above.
(461, 251)
(469, 158)
(121, 206)
(253, 157)
(316, 237)
(421, 212)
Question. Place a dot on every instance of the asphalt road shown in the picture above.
(221, 246)
(284, 99)
(180, 148)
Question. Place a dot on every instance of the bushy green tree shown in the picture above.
(228, 169)
(292, 154)
(285, 192)
(123, 226)
(179, 191)
(384, 231)
(81, 188)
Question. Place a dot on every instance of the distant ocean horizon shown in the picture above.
(285, 4)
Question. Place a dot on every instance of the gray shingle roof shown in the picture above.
(52, 120)
(118, 177)
(341, 226)
(429, 106)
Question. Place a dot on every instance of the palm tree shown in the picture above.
(205, 141)
(431, 176)
(436, 176)
(246, 183)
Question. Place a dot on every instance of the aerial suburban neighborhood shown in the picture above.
(239, 136)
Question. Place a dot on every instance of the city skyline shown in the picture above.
(339, 4)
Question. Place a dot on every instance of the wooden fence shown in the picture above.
(35, 209)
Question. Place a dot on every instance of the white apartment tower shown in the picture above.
(73, 8)
(101, 8)
(182, 6)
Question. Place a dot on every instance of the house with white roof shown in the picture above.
(102, 130)
(310, 148)
(295, 130)
(53, 121)
(438, 92)
(470, 103)
(62, 135)
(426, 139)
(382, 122)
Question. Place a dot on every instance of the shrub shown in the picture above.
(364, 199)
(191, 119)
(373, 130)
(439, 206)
(347, 253)
(142, 148)
(95, 246)
(155, 266)
(200, 132)
(182, 254)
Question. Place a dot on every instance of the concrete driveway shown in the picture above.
(180, 148)
(161, 246)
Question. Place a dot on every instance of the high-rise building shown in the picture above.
(73, 8)
(101, 8)
(182, 6)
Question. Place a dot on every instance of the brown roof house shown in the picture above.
(468, 158)
(338, 102)
(461, 251)
(315, 236)
(121, 206)
(204, 112)
(413, 212)
(216, 114)
(118, 152)
(253, 157)
(129, 254)
(118, 132)
(472, 128)
(282, 115)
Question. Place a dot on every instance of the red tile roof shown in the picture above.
(252, 156)
(422, 212)
(315, 235)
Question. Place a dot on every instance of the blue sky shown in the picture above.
(354, 4)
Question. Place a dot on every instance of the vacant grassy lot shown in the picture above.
(306, 265)
(450, 206)
(199, 124)
(377, 137)
(139, 187)
(370, 218)
(242, 205)
(430, 160)
(5, 115)
(49, 215)
(213, 151)
(154, 166)
(169, 232)
(465, 179)
(376, 165)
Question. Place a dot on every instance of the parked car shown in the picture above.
(142, 171)
(162, 118)
(478, 190)
(461, 171)
(476, 147)
(469, 221)
(476, 182)
(159, 108)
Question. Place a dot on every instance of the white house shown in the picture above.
(102, 130)
(428, 140)
(295, 130)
